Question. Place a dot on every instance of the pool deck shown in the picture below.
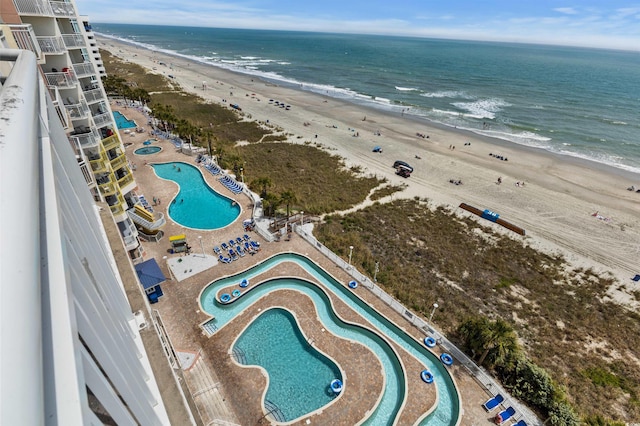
(225, 391)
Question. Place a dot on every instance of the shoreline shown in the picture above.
(632, 176)
(555, 207)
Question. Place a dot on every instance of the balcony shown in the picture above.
(63, 80)
(108, 189)
(119, 162)
(103, 119)
(94, 95)
(86, 138)
(63, 9)
(116, 204)
(78, 111)
(51, 45)
(73, 41)
(86, 173)
(111, 142)
(33, 7)
(58, 103)
(25, 38)
(126, 180)
(84, 70)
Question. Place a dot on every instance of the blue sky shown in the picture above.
(594, 23)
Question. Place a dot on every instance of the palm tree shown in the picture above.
(271, 203)
(262, 183)
(288, 197)
(500, 340)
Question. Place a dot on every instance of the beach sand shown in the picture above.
(555, 206)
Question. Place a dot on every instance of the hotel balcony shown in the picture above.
(74, 41)
(99, 163)
(25, 38)
(111, 142)
(117, 204)
(103, 119)
(85, 69)
(94, 95)
(78, 111)
(63, 9)
(108, 189)
(86, 173)
(33, 7)
(51, 45)
(119, 162)
(58, 103)
(63, 80)
(86, 138)
(125, 183)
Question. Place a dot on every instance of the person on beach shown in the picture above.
(499, 180)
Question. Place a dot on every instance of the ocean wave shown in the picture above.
(407, 89)
(483, 108)
(383, 100)
(454, 94)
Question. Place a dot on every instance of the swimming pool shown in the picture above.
(196, 205)
(123, 122)
(447, 410)
(147, 150)
(299, 375)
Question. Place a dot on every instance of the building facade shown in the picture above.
(67, 54)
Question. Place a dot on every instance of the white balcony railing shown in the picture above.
(84, 70)
(62, 8)
(73, 40)
(102, 119)
(33, 7)
(86, 140)
(94, 95)
(78, 111)
(25, 38)
(63, 80)
(51, 44)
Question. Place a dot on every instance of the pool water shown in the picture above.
(196, 205)
(147, 150)
(123, 122)
(447, 410)
(299, 375)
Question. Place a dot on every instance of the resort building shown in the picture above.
(70, 63)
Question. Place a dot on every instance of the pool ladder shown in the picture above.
(274, 411)
(239, 356)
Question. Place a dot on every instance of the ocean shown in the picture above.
(575, 101)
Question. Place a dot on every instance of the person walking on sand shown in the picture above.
(499, 180)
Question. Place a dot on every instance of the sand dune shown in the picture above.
(554, 206)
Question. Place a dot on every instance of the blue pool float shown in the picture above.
(430, 342)
(244, 283)
(235, 293)
(446, 359)
(225, 297)
(336, 386)
(353, 284)
(426, 376)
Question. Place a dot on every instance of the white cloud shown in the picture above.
(566, 10)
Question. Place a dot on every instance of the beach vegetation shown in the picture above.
(565, 366)
(385, 191)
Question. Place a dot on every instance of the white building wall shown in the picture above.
(65, 321)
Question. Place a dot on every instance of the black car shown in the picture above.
(406, 166)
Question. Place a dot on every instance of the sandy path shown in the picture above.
(555, 206)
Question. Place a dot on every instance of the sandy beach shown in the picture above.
(577, 208)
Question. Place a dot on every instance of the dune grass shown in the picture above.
(564, 321)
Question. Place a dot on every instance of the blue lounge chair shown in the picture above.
(246, 237)
(240, 251)
(233, 255)
(493, 402)
(248, 247)
(216, 250)
(223, 259)
(232, 243)
(224, 246)
(505, 415)
(239, 240)
(520, 423)
(255, 245)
